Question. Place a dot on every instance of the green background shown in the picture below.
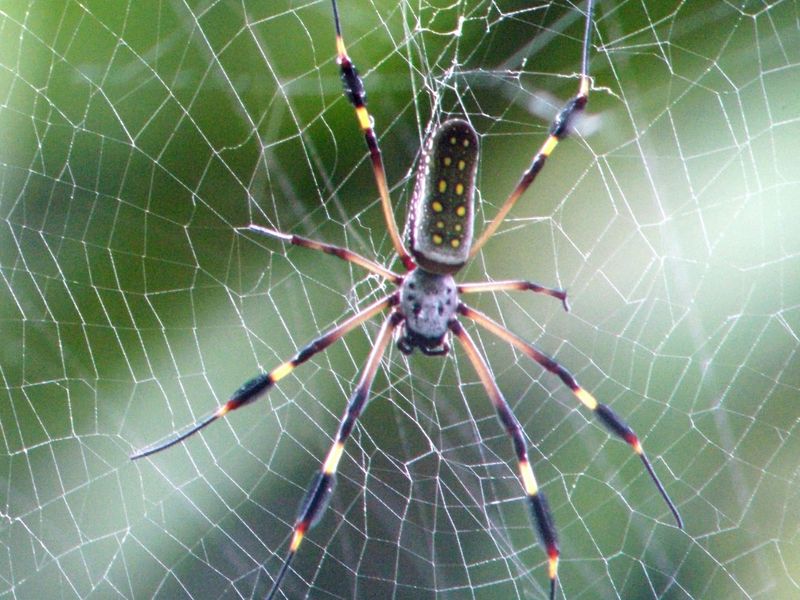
(137, 139)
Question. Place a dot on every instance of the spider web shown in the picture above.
(139, 138)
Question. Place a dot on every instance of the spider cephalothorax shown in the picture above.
(428, 303)
(425, 310)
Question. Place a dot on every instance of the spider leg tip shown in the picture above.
(676, 515)
(266, 231)
(144, 452)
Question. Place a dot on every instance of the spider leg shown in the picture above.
(540, 510)
(517, 285)
(559, 130)
(357, 95)
(319, 492)
(261, 384)
(606, 415)
(337, 251)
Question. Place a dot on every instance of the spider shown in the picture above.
(424, 310)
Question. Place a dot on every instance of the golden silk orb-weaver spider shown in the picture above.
(424, 310)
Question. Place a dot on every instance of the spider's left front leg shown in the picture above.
(321, 488)
(338, 251)
(356, 94)
(540, 510)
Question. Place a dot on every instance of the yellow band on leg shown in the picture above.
(282, 371)
(334, 456)
(549, 145)
(586, 398)
(552, 567)
(528, 480)
(296, 539)
(363, 118)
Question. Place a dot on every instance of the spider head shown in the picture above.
(409, 340)
(428, 303)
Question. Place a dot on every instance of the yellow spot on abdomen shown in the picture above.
(437, 239)
(437, 206)
(459, 189)
(455, 242)
(461, 165)
(447, 161)
(442, 186)
(461, 211)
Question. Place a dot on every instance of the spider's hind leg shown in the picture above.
(321, 488)
(540, 510)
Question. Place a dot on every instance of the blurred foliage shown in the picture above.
(137, 139)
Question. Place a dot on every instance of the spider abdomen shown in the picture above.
(440, 219)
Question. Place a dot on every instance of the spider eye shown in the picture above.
(441, 217)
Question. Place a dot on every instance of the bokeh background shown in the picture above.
(138, 138)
